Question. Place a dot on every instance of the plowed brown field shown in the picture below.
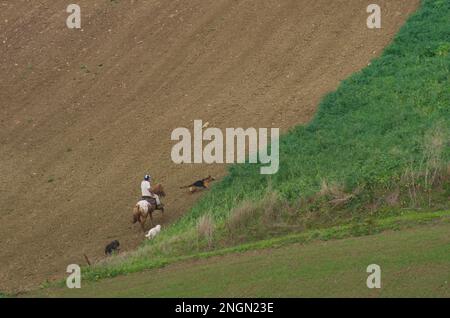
(84, 114)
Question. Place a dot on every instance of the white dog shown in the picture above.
(153, 232)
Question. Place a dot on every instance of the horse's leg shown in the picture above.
(151, 218)
(142, 221)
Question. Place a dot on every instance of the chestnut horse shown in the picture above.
(143, 208)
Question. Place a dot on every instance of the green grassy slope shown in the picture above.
(377, 145)
(414, 262)
(375, 126)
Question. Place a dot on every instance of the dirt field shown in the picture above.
(84, 114)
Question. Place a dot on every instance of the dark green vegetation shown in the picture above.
(377, 146)
(414, 262)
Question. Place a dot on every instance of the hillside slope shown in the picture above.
(414, 263)
(84, 114)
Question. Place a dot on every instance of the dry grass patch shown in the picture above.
(335, 193)
(205, 229)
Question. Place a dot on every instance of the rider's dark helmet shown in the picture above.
(147, 177)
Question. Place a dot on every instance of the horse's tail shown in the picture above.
(136, 213)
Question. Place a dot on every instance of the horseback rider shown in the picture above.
(147, 193)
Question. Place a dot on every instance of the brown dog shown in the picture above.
(199, 185)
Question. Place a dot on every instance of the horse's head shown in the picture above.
(159, 190)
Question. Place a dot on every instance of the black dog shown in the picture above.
(112, 247)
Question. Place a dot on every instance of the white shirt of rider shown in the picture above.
(145, 186)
